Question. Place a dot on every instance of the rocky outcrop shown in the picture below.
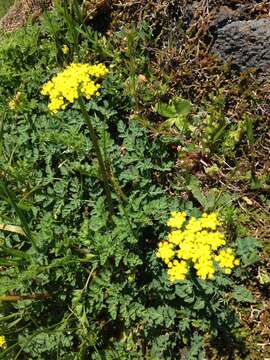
(245, 43)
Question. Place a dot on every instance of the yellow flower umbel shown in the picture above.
(74, 81)
(3, 343)
(195, 243)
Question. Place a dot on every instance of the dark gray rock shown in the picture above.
(246, 43)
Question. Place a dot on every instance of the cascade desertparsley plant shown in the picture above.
(74, 81)
(195, 243)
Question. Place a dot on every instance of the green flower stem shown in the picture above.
(12, 298)
(122, 200)
(104, 173)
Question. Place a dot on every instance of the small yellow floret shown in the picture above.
(12, 104)
(210, 221)
(165, 251)
(177, 219)
(65, 49)
(178, 270)
(227, 260)
(3, 343)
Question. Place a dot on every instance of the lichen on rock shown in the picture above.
(245, 43)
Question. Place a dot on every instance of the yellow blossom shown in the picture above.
(178, 270)
(12, 104)
(74, 81)
(65, 49)
(165, 251)
(209, 221)
(195, 243)
(3, 343)
(226, 260)
(177, 219)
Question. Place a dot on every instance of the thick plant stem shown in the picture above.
(122, 199)
(104, 173)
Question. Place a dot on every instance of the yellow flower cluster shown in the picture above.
(3, 342)
(74, 81)
(195, 243)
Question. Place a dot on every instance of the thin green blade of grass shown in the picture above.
(15, 253)
(10, 197)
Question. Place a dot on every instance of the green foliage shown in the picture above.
(247, 249)
(241, 294)
(214, 200)
(176, 112)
